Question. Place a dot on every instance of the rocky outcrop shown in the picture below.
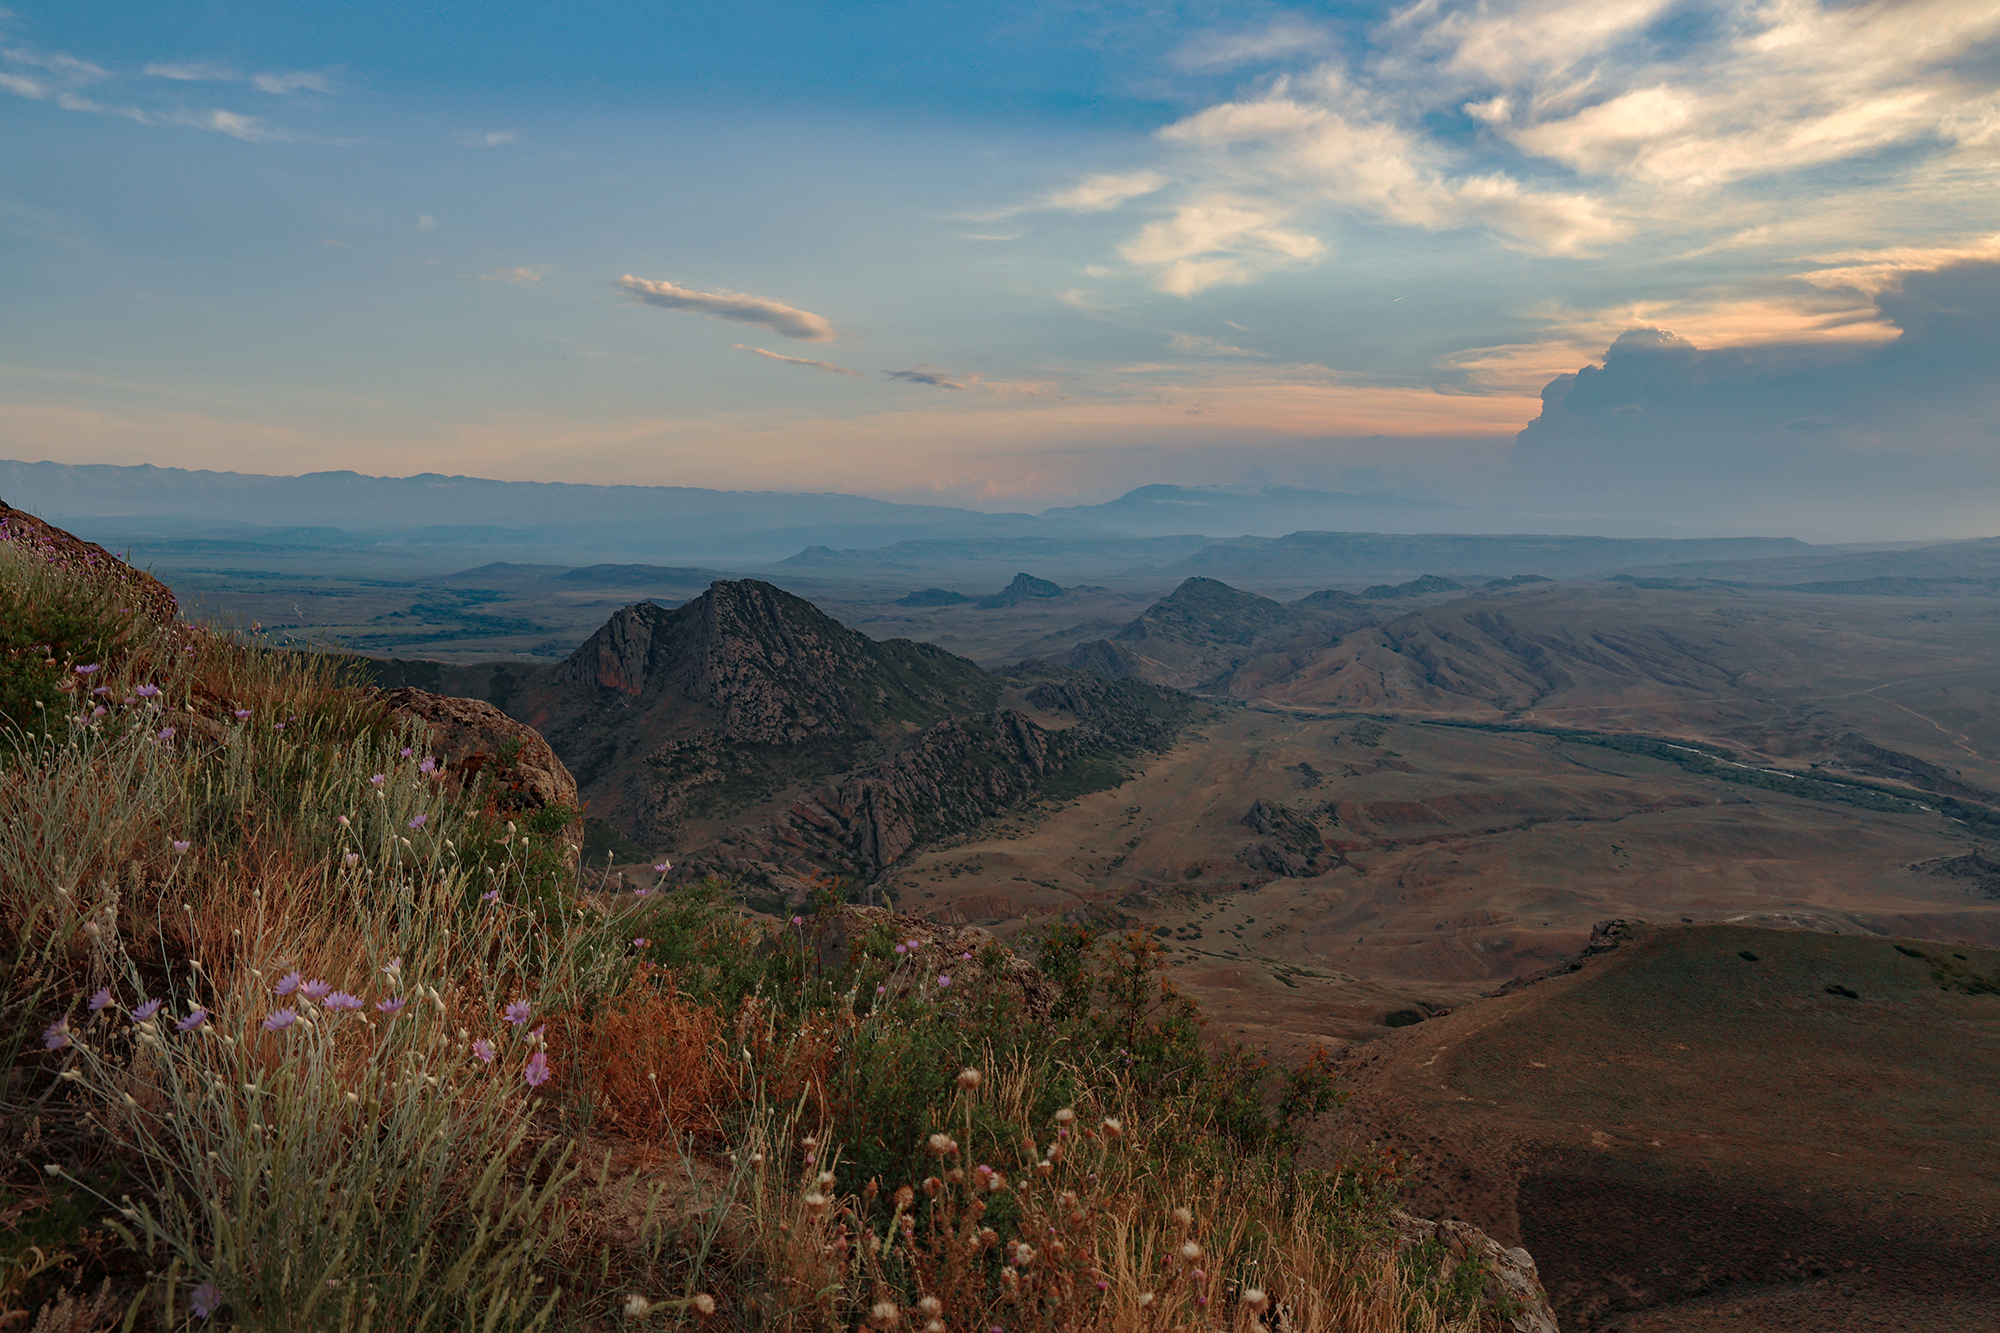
(1297, 851)
(477, 743)
(1512, 1284)
(51, 543)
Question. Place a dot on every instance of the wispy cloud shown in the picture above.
(63, 75)
(773, 315)
(827, 366)
(514, 275)
(487, 139)
(1286, 35)
(281, 85)
(192, 71)
(937, 379)
(1194, 344)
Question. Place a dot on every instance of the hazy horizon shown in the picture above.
(1717, 268)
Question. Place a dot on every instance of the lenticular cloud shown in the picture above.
(773, 315)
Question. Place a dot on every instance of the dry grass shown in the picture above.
(235, 824)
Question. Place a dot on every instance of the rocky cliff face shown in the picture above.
(52, 543)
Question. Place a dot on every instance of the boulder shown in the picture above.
(1512, 1283)
(472, 738)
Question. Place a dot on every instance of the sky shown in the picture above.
(1014, 255)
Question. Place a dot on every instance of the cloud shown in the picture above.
(489, 139)
(1194, 344)
(1212, 242)
(1285, 35)
(918, 375)
(66, 74)
(827, 366)
(424, 223)
(193, 71)
(773, 315)
(1870, 437)
(1101, 193)
(281, 85)
(515, 275)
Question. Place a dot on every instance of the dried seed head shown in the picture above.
(1255, 1301)
(826, 1178)
(816, 1204)
(941, 1145)
(637, 1306)
(1145, 1299)
(931, 1306)
(1190, 1251)
(935, 1326)
(1112, 1127)
(969, 1079)
(1065, 1116)
(988, 1238)
(704, 1304)
(883, 1314)
(1182, 1217)
(905, 1197)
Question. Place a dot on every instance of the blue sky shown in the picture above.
(1000, 255)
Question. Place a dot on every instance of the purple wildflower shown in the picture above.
(278, 725)
(798, 921)
(100, 1000)
(429, 765)
(393, 968)
(641, 942)
(351, 859)
(490, 896)
(88, 669)
(102, 689)
(537, 1072)
(341, 1002)
(902, 948)
(663, 866)
(56, 1035)
(242, 715)
(196, 1017)
(377, 780)
(944, 978)
(965, 957)
(391, 1007)
(166, 733)
(281, 1019)
(145, 1012)
(484, 1050)
(99, 711)
(418, 821)
(180, 846)
(205, 1299)
(518, 1012)
(147, 691)
(315, 988)
(406, 752)
(638, 892)
(287, 983)
(914, 945)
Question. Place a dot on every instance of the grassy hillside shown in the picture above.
(299, 1035)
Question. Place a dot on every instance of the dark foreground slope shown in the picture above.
(1720, 1127)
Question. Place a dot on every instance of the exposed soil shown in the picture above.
(1718, 1127)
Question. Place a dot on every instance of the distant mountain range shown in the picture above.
(169, 513)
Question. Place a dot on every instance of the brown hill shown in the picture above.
(1718, 1127)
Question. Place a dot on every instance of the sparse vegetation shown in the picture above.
(300, 1036)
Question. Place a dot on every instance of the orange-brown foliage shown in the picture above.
(655, 1061)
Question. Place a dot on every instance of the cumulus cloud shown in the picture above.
(826, 366)
(773, 315)
(937, 379)
(1871, 435)
(1566, 127)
